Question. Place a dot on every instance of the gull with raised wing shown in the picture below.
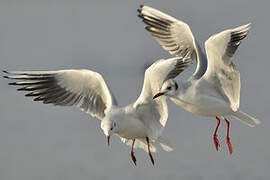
(214, 88)
(142, 121)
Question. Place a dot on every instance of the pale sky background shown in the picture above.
(53, 143)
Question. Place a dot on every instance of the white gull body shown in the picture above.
(143, 120)
(214, 88)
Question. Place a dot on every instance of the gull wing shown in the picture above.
(173, 35)
(82, 88)
(155, 76)
(220, 49)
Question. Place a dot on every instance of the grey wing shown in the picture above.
(220, 49)
(82, 88)
(154, 77)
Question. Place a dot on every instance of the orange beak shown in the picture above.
(108, 140)
(157, 95)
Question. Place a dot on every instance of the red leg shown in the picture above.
(149, 152)
(215, 139)
(229, 145)
(132, 153)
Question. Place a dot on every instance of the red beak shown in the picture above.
(157, 95)
(108, 140)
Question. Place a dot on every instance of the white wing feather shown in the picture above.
(220, 49)
(155, 76)
(174, 36)
(83, 88)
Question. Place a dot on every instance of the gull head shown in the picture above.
(169, 88)
(109, 128)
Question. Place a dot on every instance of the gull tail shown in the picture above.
(246, 119)
(165, 144)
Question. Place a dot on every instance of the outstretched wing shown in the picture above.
(172, 34)
(155, 76)
(83, 88)
(158, 73)
(220, 49)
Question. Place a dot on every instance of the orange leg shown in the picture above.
(132, 152)
(215, 139)
(149, 152)
(229, 145)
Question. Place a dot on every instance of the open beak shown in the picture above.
(158, 94)
(108, 140)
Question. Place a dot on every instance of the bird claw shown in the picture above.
(228, 142)
(133, 158)
(216, 142)
(229, 145)
(149, 152)
(152, 159)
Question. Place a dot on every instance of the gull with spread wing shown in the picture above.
(139, 124)
(214, 88)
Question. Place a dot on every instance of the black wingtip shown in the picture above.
(21, 89)
(4, 71)
(5, 77)
(140, 16)
(140, 9)
(31, 94)
(38, 99)
(147, 28)
(13, 83)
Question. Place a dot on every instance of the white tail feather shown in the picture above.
(165, 144)
(246, 119)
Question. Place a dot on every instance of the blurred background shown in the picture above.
(55, 143)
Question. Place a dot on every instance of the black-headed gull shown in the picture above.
(214, 88)
(143, 120)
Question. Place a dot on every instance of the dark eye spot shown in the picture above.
(169, 88)
(111, 128)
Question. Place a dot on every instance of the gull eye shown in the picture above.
(169, 88)
(111, 128)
